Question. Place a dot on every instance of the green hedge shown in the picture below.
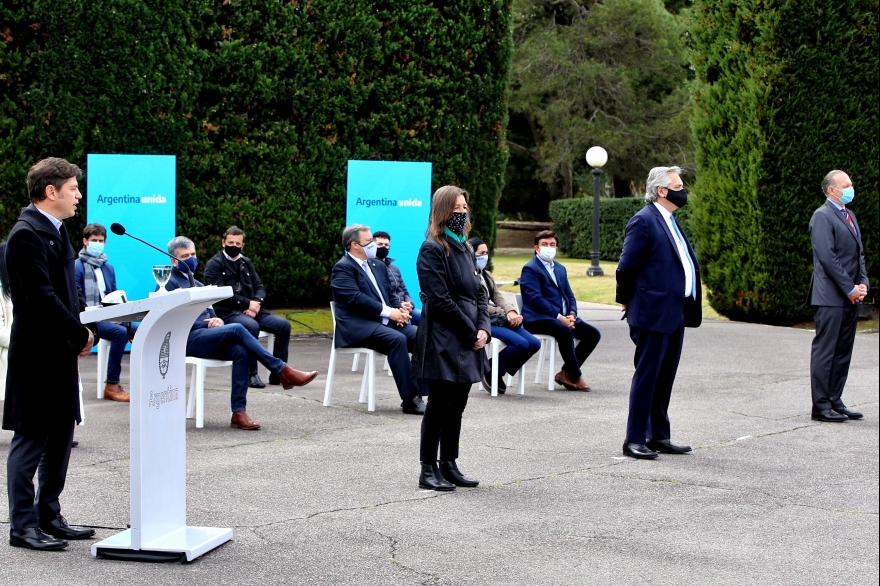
(263, 102)
(786, 91)
(573, 221)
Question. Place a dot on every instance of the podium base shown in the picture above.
(184, 544)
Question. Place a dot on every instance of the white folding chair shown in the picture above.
(494, 348)
(103, 358)
(368, 383)
(548, 344)
(196, 400)
(270, 344)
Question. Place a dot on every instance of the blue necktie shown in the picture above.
(688, 256)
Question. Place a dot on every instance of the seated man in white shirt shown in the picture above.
(369, 314)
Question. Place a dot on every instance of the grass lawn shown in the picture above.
(590, 289)
(307, 321)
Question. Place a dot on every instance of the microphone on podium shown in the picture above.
(119, 230)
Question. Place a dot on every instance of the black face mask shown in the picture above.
(382, 252)
(677, 198)
(232, 251)
(457, 222)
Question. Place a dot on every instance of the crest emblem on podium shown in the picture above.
(165, 355)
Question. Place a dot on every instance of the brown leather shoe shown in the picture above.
(563, 379)
(291, 377)
(115, 392)
(581, 385)
(241, 420)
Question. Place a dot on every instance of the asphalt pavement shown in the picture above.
(329, 495)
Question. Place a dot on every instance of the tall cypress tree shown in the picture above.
(786, 91)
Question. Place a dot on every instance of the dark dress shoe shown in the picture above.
(256, 383)
(639, 451)
(59, 528)
(74, 444)
(33, 538)
(413, 405)
(830, 416)
(449, 470)
(666, 447)
(431, 479)
(291, 377)
(848, 413)
(274, 380)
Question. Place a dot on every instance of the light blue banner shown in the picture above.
(395, 198)
(139, 192)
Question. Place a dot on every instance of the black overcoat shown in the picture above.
(42, 385)
(454, 309)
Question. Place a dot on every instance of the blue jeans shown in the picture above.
(521, 346)
(117, 335)
(233, 342)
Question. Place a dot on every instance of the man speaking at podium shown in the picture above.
(47, 337)
(211, 338)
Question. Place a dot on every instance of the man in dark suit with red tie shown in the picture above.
(369, 314)
(658, 284)
(42, 384)
(839, 282)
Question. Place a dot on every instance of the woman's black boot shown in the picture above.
(449, 470)
(431, 479)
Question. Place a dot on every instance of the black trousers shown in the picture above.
(574, 354)
(396, 343)
(831, 354)
(441, 423)
(46, 452)
(656, 362)
(268, 322)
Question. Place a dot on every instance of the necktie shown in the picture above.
(373, 280)
(848, 219)
(688, 256)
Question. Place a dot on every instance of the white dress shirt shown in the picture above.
(548, 264)
(683, 256)
(55, 221)
(102, 286)
(386, 310)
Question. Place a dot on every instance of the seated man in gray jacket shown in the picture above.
(383, 247)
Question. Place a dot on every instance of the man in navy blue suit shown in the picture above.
(549, 308)
(369, 314)
(658, 284)
(95, 277)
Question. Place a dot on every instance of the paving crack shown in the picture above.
(426, 577)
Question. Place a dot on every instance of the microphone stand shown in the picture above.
(180, 263)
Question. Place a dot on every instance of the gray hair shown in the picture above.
(177, 243)
(658, 177)
(829, 181)
(351, 234)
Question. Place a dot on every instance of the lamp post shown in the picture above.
(596, 158)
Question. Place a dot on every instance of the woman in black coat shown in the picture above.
(452, 333)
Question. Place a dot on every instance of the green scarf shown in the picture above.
(455, 236)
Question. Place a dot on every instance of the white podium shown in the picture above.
(158, 429)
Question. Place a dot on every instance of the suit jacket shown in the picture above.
(453, 312)
(357, 304)
(239, 274)
(838, 257)
(42, 382)
(106, 270)
(650, 276)
(542, 298)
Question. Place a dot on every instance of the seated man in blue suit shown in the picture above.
(658, 284)
(211, 338)
(369, 313)
(95, 277)
(549, 308)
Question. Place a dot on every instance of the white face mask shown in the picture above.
(482, 261)
(370, 250)
(547, 252)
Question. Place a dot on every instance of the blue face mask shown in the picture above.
(96, 248)
(192, 263)
(847, 194)
(482, 261)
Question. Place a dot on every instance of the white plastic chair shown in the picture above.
(548, 343)
(493, 349)
(103, 358)
(270, 344)
(197, 386)
(356, 361)
(368, 383)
